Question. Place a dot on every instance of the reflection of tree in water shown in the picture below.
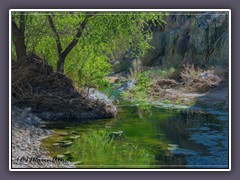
(176, 126)
(142, 113)
(176, 131)
(170, 160)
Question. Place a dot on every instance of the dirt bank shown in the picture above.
(52, 95)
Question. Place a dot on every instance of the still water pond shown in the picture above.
(158, 138)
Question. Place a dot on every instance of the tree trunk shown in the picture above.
(62, 54)
(60, 64)
(19, 37)
(20, 48)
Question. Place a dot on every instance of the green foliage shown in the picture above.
(96, 148)
(13, 52)
(143, 104)
(88, 62)
(139, 95)
(159, 73)
(179, 101)
(141, 91)
(143, 83)
(135, 69)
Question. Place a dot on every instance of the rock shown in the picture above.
(25, 112)
(63, 141)
(127, 85)
(43, 126)
(74, 137)
(62, 134)
(69, 143)
(67, 153)
(115, 135)
(28, 109)
(203, 38)
(60, 156)
(77, 163)
(56, 144)
(109, 109)
(46, 115)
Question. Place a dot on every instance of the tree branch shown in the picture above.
(57, 38)
(75, 40)
(22, 22)
(15, 28)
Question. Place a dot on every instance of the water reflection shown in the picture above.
(197, 140)
(177, 139)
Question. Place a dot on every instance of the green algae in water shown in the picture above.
(97, 149)
(145, 141)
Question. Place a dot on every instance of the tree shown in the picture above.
(86, 40)
(19, 36)
(27, 31)
(62, 54)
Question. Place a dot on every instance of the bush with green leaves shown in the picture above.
(143, 83)
(141, 91)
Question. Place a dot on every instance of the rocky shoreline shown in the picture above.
(27, 133)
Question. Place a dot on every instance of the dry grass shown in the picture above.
(135, 69)
(198, 80)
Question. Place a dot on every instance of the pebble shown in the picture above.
(67, 144)
(77, 163)
(74, 137)
(60, 156)
(62, 134)
(26, 136)
(56, 144)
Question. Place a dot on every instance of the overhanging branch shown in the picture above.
(75, 40)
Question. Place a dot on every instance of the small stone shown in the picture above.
(68, 143)
(28, 109)
(67, 153)
(56, 144)
(117, 133)
(43, 126)
(62, 134)
(77, 163)
(62, 142)
(60, 156)
(74, 137)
